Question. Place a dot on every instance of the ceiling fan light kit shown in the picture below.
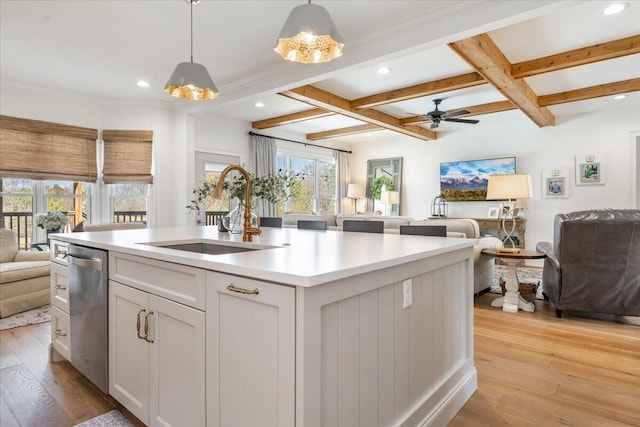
(191, 80)
(309, 36)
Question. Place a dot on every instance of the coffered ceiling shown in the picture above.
(543, 60)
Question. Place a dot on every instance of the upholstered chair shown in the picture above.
(24, 276)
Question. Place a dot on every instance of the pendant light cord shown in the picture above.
(191, 4)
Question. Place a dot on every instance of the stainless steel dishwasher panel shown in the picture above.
(88, 297)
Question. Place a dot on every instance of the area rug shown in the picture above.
(525, 274)
(110, 419)
(29, 317)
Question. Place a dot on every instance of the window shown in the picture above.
(23, 198)
(315, 191)
(16, 205)
(129, 202)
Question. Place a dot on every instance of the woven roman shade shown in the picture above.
(127, 156)
(39, 150)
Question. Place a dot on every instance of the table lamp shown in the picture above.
(509, 187)
(355, 192)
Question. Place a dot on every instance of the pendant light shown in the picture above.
(191, 80)
(309, 36)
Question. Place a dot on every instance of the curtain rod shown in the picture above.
(298, 142)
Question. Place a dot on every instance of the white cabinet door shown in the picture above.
(177, 364)
(128, 353)
(250, 352)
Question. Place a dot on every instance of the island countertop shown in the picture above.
(294, 257)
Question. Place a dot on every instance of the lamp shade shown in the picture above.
(309, 36)
(191, 81)
(506, 187)
(393, 197)
(355, 191)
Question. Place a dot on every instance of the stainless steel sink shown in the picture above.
(209, 247)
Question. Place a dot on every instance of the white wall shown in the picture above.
(511, 134)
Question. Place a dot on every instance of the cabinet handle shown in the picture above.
(234, 288)
(61, 254)
(146, 327)
(60, 287)
(138, 324)
(59, 333)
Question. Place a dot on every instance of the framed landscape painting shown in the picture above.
(467, 180)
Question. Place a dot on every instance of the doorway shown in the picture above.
(208, 167)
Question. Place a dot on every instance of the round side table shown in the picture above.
(512, 301)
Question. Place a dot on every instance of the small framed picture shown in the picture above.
(506, 209)
(555, 187)
(555, 183)
(590, 169)
(494, 212)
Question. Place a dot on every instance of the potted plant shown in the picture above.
(52, 222)
(272, 188)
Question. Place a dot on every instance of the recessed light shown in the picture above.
(259, 104)
(620, 97)
(143, 83)
(384, 70)
(615, 8)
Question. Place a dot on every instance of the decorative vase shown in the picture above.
(234, 220)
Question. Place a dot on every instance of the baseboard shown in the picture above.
(453, 402)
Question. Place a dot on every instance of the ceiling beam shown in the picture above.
(608, 89)
(329, 101)
(288, 119)
(423, 89)
(353, 130)
(573, 58)
(483, 55)
(476, 110)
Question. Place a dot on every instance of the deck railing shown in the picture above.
(22, 222)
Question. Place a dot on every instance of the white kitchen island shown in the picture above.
(312, 329)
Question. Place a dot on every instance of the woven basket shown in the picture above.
(527, 290)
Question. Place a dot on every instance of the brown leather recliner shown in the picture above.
(594, 262)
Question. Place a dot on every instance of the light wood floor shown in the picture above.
(533, 370)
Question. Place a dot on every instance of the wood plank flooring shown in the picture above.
(533, 370)
(537, 370)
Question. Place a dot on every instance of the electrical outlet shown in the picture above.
(407, 293)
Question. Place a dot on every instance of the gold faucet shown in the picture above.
(249, 231)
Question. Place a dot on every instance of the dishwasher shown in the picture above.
(88, 311)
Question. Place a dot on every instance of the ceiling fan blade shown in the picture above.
(457, 113)
(433, 125)
(473, 122)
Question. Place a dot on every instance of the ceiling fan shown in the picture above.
(437, 116)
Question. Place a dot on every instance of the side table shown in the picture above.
(512, 301)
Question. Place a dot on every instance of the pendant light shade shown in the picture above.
(309, 36)
(191, 80)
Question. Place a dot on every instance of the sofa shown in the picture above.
(456, 227)
(593, 264)
(24, 276)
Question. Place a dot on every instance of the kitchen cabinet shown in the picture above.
(250, 352)
(60, 319)
(156, 357)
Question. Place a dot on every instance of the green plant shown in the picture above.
(377, 184)
(272, 188)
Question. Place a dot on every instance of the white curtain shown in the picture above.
(265, 151)
(343, 176)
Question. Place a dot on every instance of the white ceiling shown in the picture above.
(101, 48)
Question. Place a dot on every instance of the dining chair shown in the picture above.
(424, 230)
(267, 221)
(363, 226)
(311, 225)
